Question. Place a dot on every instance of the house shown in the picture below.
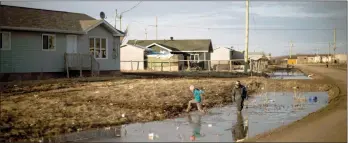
(197, 50)
(341, 58)
(317, 59)
(221, 55)
(47, 41)
(311, 59)
(133, 56)
(256, 55)
(302, 60)
(292, 61)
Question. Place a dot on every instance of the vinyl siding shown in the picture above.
(26, 54)
(105, 64)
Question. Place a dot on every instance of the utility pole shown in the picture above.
(145, 34)
(116, 18)
(334, 48)
(246, 38)
(156, 28)
(329, 49)
(121, 22)
(290, 51)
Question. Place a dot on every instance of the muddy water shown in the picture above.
(265, 111)
(288, 75)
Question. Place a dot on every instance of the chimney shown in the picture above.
(171, 38)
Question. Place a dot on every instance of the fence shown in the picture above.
(191, 65)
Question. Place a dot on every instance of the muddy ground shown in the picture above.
(34, 109)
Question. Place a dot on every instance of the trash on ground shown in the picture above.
(210, 125)
(36, 95)
(123, 115)
(151, 135)
(177, 128)
(97, 92)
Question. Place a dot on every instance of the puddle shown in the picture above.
(264, 113)
(288, 75)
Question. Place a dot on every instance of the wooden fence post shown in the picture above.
(91, 65)
(188, 65)
(230, 62)
(80, 63)
(138, 65)
(132, 65)
(151, 65)
(67, 64)
(209, 63)
(161, 65)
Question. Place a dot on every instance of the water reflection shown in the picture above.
(239, 129)
(196, 126)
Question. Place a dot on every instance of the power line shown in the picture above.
(131, 8)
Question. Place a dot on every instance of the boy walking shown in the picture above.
(239, 93)
(197, 94)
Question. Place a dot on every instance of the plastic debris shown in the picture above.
(151, 135)
(177, 128)
(210, 125)
(36, 95)
(96, 92)
(123, 115)
(111, 104)
(192, 138)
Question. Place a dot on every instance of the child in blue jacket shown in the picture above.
(197, 94)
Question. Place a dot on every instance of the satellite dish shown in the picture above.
(102, 15)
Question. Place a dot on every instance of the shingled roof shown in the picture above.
(177, 45)
(22, 18)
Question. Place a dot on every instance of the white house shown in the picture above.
(132, 57)
(341, 58)
(223, 54)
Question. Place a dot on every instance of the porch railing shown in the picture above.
(78, 61)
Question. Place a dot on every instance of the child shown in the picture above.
(197, 99)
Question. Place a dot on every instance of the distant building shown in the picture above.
(341, 58)
(302, 60)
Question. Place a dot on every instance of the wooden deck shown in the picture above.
(77, 61)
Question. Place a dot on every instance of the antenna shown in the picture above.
(102, 15)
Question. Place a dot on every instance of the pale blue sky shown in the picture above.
(272, 23)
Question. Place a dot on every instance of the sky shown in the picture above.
(272, 24)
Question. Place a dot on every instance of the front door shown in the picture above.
(71, 44)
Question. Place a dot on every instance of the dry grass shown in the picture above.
(33, 110)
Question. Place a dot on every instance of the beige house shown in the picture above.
(132, 57)
(341, 58)
(221, 55)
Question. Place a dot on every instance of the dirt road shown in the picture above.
(327, 125)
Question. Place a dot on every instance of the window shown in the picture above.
(97, 47)
(194, 57)
(48, 42)
(5, 41)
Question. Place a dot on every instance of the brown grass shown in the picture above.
(37, 109)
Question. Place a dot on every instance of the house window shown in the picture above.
(97, 47)
(5, 41)
(194, 57)
(48, 42)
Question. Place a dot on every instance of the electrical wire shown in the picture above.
(131, 8)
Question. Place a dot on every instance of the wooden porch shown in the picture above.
(81, 62)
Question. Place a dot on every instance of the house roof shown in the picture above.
(137, 46)
(22, 18)
(256, 53)
(177, 45)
